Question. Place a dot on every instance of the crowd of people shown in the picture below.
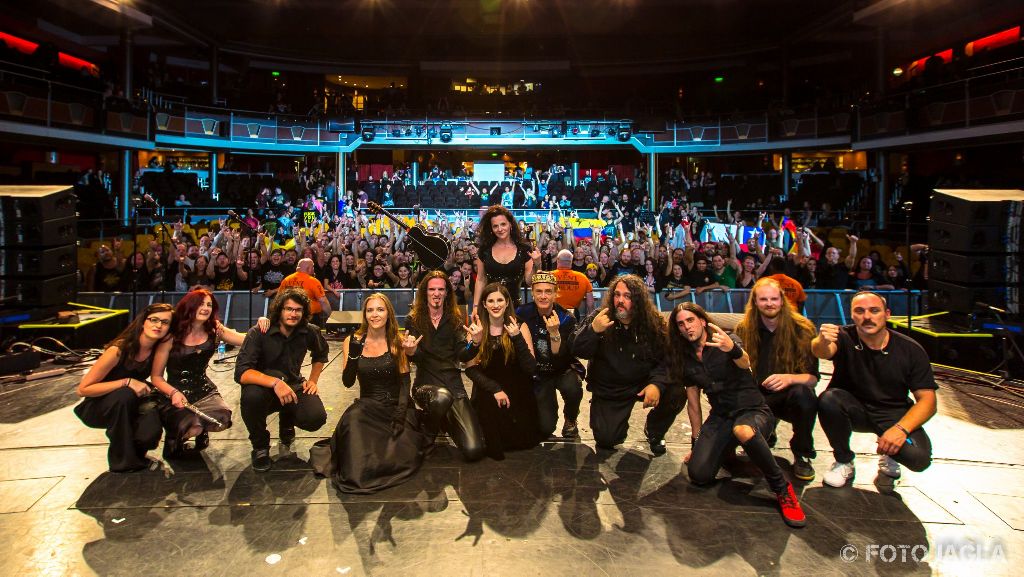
(151, 380)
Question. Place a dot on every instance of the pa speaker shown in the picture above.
(38, 292)
(34, 234)
(960, 297)
(965, 239)
(38, 262)
(35, 203)
(965, 268)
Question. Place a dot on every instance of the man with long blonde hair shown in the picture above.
(778, 340)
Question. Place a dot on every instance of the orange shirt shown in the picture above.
(313, 287)
(793, 290)
(572, 287)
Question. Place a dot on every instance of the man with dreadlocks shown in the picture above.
(778, 340)
(437, 341)
(623, 342)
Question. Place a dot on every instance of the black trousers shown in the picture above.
(571, 388)
(259, 402)
(841, 414)
(609, 420)
(797, 405)
(132, 424)
(717, 440)
(660, 419)
(443, 411)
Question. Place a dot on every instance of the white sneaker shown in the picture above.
(838, 474)
(889, 467)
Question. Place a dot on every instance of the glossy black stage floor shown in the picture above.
(560, 509)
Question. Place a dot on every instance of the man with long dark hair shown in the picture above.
(702, 355)
(268, 367)
(778, 341)
(437, 341)
(623, 341)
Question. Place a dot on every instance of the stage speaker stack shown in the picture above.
(974, 237)
(38, 246)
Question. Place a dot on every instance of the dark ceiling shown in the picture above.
(583, 33)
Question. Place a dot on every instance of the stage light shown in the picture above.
(595, 132)
(275, 74)
(897, 72)
(575, 130)
(368, 134)
(446, 133)
(624, 133)
(719, 79)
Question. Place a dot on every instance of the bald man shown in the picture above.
(573, 285)
(303, 278)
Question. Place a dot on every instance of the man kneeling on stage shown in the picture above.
(874, 370)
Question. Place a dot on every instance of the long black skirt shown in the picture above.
(368, 457)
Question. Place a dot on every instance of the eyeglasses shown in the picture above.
(158, 321)
(294, 310)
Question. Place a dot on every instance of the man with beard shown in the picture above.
(874, 371)
(623, 341)
(268, 368)
(552, 328)
(778, 341)
(272, 272)
(106, 275)
(437, 340)
(702, 355)
(319, 306)
(225, 277)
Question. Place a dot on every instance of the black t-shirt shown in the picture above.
(766, 357)
(833, 277)
(698, 278)
(271, 275)
(226, 280)
(730, 389)
(882, 380)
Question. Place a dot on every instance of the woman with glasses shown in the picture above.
(185, 356)
(377, 443)
(117, 395)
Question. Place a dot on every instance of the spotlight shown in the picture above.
(575, 130)
(368, 134)
(446, 133)
(624, 133)
(611, 131)
(595, 132)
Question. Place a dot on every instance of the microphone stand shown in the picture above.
(907, 207)
(159, 217)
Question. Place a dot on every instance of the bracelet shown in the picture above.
(900, 427)
(736, 352)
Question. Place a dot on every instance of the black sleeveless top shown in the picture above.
(509, 274)
(186, 369)
(130, 368)
(378, 378)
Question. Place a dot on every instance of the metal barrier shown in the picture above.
(822, 306)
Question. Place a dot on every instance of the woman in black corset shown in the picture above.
(504, 256)
(117, 396)
(185, 356)
(377, 443)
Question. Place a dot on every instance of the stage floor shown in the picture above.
(560, 509)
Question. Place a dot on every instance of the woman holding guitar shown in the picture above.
(504, 256)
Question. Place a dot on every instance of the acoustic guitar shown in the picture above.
(431, 248)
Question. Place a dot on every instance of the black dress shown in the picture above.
(509, 274)
(186, 371)
(514, 427)
(377, 443)
(132, 422)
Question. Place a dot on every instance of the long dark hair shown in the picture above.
(185, 313)
(680, 351)
(647, 326)
(421, 316)
(128, 341)
(505, 342)
(487, 238)
(290, 294)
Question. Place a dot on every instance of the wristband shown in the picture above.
(736, 352)
(900, 427)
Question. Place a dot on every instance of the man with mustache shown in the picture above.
(624, 343)
(875, 370)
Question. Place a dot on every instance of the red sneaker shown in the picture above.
(792, 514)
